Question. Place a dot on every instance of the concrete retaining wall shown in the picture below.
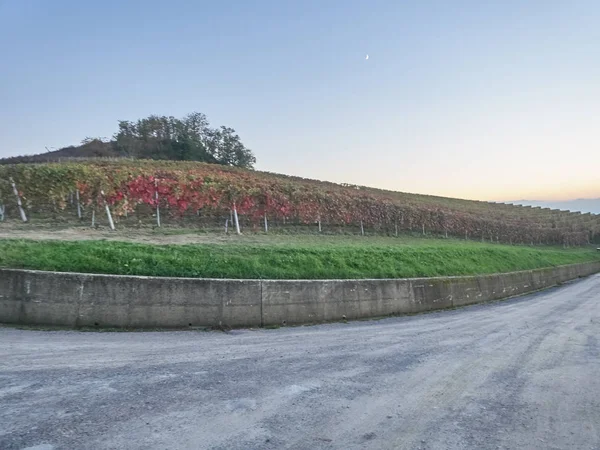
(70, 299)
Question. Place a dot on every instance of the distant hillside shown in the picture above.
(584, 205)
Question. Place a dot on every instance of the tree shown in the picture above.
(128, 139)
(190, 139)
(89, 140)
(231, 151)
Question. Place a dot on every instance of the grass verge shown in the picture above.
(327, 258)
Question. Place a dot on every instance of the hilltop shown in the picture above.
(159, 138)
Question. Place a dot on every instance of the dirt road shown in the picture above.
(523, 373)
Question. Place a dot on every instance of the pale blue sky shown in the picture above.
(477, 99)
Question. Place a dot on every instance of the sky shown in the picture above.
(474, 99)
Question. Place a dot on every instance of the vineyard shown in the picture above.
(163, 192)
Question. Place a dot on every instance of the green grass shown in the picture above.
(312, 257)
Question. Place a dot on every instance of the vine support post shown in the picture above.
(157, 207)
(396, 228)
(1, 212)
(466, 235)
(446, 232)
(319, 222)
(78, 204)
(423, 226)
(108, 214)
(266, 224)
(362, 228)
(226, 226)
(237, 220)
(94, 217)
(19, 204)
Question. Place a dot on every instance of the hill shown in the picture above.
(217, 195)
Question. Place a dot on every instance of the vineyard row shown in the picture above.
(176, 188)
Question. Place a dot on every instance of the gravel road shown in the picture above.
(524, 373)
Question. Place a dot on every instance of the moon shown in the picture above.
(367, 57)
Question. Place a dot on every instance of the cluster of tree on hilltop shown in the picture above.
(159, 137)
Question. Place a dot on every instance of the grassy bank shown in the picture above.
(299, 258)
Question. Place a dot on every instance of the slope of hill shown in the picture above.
(287, 257)
(92, 149)
(221, 192)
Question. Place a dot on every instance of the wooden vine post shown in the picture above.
(266, 223)
(19, 204)
(1, 212)
(156, 200)
(108, 214)
(78, 204)
(237, 221)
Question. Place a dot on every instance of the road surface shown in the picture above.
(524, 373)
